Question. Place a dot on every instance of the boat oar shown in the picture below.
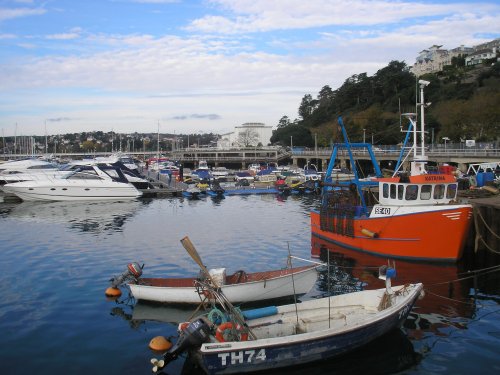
(188, 245)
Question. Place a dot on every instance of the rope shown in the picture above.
(479, 237)
(447, 298)
(489, 270)
(487, 246)
(485, 224)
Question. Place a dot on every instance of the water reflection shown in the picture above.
(446, 307)
(142, 312)
(91, 216)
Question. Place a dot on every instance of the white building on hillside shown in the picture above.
(434, 59)
(250, 134)
(481, 55)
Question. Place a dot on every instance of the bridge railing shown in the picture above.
(452, 152)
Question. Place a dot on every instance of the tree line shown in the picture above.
(465, 105)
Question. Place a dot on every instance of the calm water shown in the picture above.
(57, 259)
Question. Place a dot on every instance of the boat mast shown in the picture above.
(418, 165)
(422, 118)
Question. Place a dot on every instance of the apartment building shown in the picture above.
(434, 59)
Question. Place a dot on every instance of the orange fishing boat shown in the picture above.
(416, 217)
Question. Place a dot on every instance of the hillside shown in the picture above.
(465, 105)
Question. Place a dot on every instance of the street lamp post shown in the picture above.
(445, 139)
(316, 147)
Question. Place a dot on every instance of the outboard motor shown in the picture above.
(195, 334)
(132, 273)
(387, 273)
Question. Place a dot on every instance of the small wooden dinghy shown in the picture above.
(238, 287)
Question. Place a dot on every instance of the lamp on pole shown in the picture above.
(316, 147)
(445, 139)
(291, 143)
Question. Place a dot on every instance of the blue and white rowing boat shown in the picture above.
(293, 334)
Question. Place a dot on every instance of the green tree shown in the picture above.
(294, 133)
(283, 122)
(307, 106)
(88, 146)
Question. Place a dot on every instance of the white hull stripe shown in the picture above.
(452, 215)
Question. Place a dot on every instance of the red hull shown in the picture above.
(432, 236)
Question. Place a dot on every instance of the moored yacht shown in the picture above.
(87, 182)
(11, 171)
(131, 175)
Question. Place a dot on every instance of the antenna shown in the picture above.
(399, 108)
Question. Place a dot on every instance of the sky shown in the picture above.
(196, 66)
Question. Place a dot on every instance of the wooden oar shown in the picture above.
(188, 245)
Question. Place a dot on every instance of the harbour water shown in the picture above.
(57, 259)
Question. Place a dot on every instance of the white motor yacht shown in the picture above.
(26, 165)
(50, 173)
(87, 182)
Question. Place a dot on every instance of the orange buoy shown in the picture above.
(113, 292)
(159, 344)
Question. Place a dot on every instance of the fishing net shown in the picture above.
(337, 212)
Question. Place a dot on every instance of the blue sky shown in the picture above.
(205, 65)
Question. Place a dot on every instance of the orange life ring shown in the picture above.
(219, 334)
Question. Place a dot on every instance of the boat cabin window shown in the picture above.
(425, 192)
(439, 192)
(86, 175)
(112, 173)
(43, 166)
(451, 191)
(411, 192)
(401, 190)
(385, 190)
(393, 191)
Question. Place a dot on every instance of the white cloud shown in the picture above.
(73, 34)
(263, 15)
(125, 81)
(11, 13)
(155, 1)
(7, 36)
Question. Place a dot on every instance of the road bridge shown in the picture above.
(243, 157)
(387, 157)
